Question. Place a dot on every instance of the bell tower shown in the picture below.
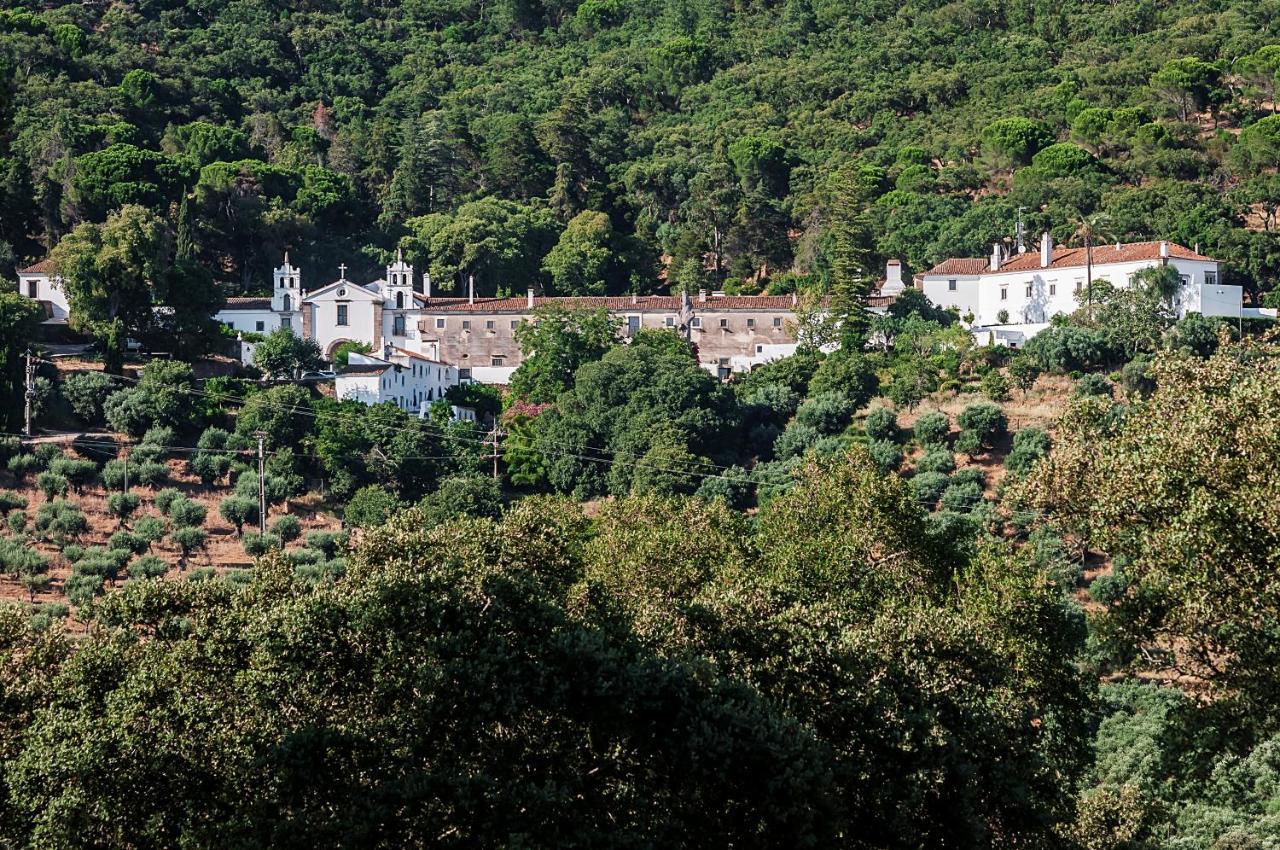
(399, 284)
(287, 292)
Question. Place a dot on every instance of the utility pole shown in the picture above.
(126, 470)
(493, 438)
(262, 483)
(29, 396)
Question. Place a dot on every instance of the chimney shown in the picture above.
(1046, 250)
(1164, 250)
(892, 278)
(635, 299)
(1197, 248)
(795, 299)
(702, 295)
(530, 300)
(386, 351)
(995, 256)
(426, 284)
(471, 289)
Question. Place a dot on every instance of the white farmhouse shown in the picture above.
(410, 381)
(42, 283)
(1011, 297)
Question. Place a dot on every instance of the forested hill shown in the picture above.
(591, 145)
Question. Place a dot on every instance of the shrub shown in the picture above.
(886, 454)
(11, 501)
(185, 513)
(1135, 378)
(150, 473)
(961, 496)
(257, 545)
(771, 403)
(17, 522)
(23, 465)
(239, 511)
(188, 539)
(123, 505)
(60, 520)
(1002, 317)
(52, 485)
(305, 556)
(210, 467)
(166, 498)
(994, 386)
(46, 453)
(1109, 588)
(1029, 445)
(287, 528)
(113, 474)
(82, 588)
(203, 574)
(968, 443)
(937, 460)
(881, 424)
(932, 428)
(326, 541)
(161, 437)
(969, 475)
(149, 527)
(795, 440)
(148, 566)
(370, 506)
(86, 392)
(127, 540)
(986, 420)
(72, 553)
(1091, 385)
(826, 413)
(927, 487)
(851, 374)
(733, 485)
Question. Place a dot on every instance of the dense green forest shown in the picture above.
(600, 145)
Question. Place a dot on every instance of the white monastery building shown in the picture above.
(1030, 288)
(408, 380)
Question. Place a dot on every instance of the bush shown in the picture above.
(149, 527)
(150, 473)
(370, 506)
(881, 424)
(795, 441)
(166, 498)
(239, 511)
(827, 413)
(961, 496)
(771, 403)
(1064, 348)
(886, 454)
(17, 522)
(11, 501)
(927, 487)
(203, 574)
(82, 588)
(937, 460)
(148, 566)
(79, 473)
(188, 539)
(932, 428)
(112, 475)
(23, 465)
(326, 541)
(52, 485)
(734, 486)
(60, 520)
(968, 443)
(123, 505)
(86, 392)
(848, 373)
(257, 545)
(287, 528)
(161, 437)
(184, 513)
(986, 420)
(1029, 445)
(127, 540)
(1109, 588)
(994, 386)
(969, 475)
(1091, 385)
(1136, 378)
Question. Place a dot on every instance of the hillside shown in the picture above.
(712, 142)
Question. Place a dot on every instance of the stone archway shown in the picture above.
(333, 347)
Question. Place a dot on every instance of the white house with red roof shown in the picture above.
(408, 380)
(42, 283)
(1015, 295)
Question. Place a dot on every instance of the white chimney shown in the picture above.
(1046, 250)
(530, 301)
(1164, 250)
(471, 289)
(635, 299)
(892, 278)
(702, 295)
(795, 299)
(426, 283)
(386, 351)
(995, 256)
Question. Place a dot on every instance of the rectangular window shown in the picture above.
(671, 321)
(1028, 290)
(498, 360)
(397, 326)
(464, 374)
(1053, 289)
(259, 326)
(488, 325)
(342, 315)
(1079, 285)
(1004, 293)
(1185, 280)
(286, 323)
(1210, 278)
(751, 323)
(466, 324)
(951, 286)
(439, 324)
(695, 323)
(633, 325)
(33, 289)
(777, 321)
(724, 323)
(515, 325)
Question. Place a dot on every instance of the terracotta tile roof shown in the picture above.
(363, 370)
(959, 266)
(1126, 252)
(1064, 257)
(45, 266)
(619, 303)
(416, 356)
(248, 303)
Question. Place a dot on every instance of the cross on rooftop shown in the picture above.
(342, 271)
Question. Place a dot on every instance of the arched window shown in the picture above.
(399, 300)
(288, 303)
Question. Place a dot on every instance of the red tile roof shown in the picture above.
(415, 355)
(620, 303)
(249, 303)
(45, 266)
(1064, 257)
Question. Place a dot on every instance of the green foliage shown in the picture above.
(927, 487)
(994, 386)
(987, 421)
(167, 498)
(287, 528)
(462, 496)
(1013, 141)
(162, 397)
(284, 354)
(52, 485)
(185, 513)
(342, 353)
(932, 428)
(11, 501)
(881, 424)
(961, 496)
(239, 511)
(886, 454)
(123, 505)
(369, 507)
(937, 460)
(1092, 385)
(826, 413)
(87, 392)
(554, 345)
(1029, 445)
